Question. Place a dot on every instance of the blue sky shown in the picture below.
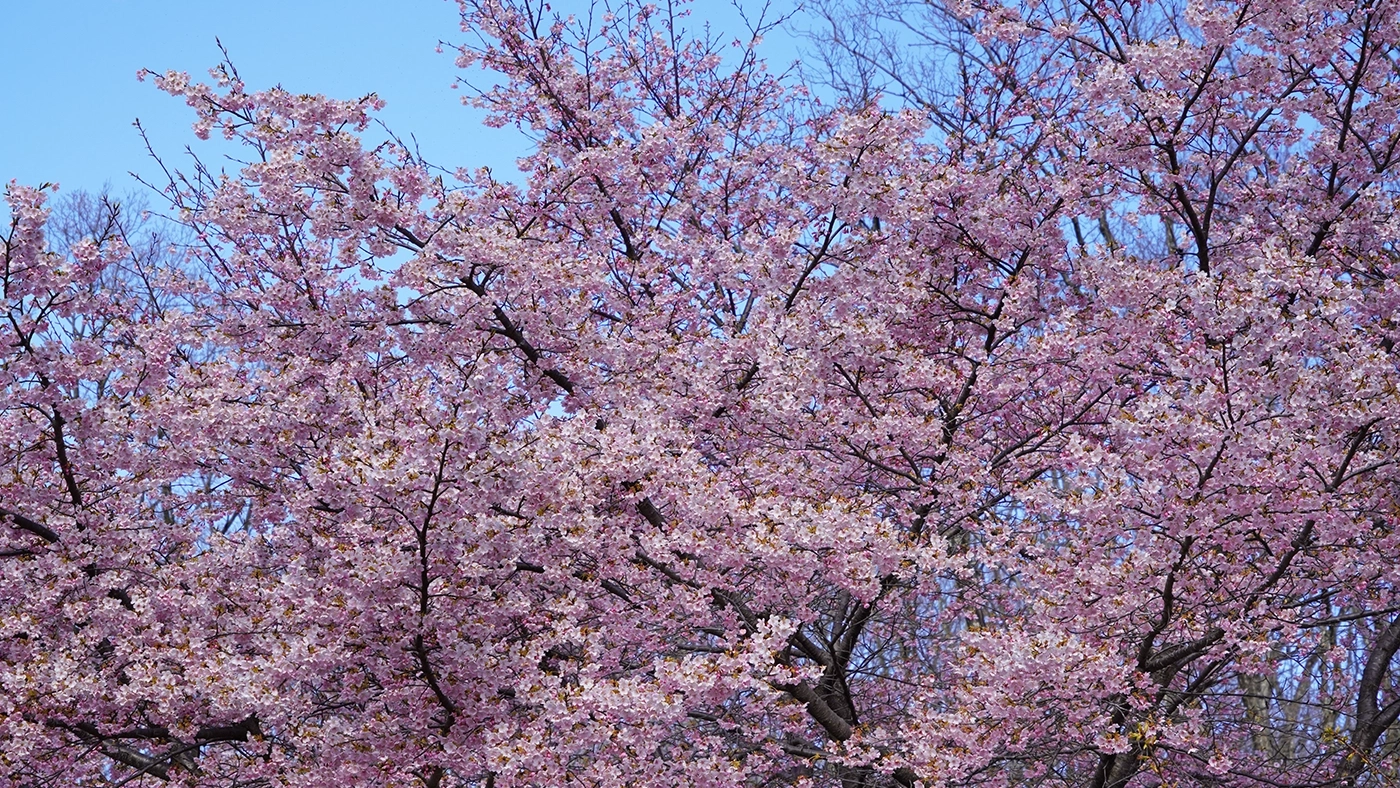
(68, 76)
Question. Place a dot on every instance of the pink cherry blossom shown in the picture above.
(1042, 438)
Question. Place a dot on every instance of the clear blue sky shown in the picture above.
(68, 76)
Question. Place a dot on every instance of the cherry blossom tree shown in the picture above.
(1039, 433)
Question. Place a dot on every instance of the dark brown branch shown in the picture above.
(1371, 719)
(420, 651)
(836, 727)
(32, 526)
